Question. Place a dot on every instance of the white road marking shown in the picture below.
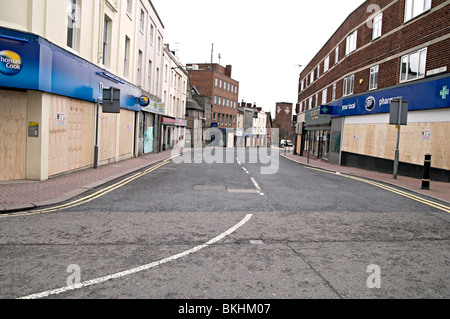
(140, 268)
(258, 189)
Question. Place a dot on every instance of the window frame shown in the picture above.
(419, 64)
(351, 42)
(373, 77)
(349, 85)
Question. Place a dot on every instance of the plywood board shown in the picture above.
(71, 134)
(107, 136)
(13, 135)
(126, 134)
(380, 140)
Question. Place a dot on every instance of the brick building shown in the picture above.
(284, 120)
(216, 81)
(383, 50)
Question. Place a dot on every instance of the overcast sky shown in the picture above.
(264, 41)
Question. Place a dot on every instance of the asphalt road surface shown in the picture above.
(196, 229)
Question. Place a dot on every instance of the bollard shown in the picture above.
(426, 172)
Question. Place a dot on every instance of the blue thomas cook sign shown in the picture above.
(10, 62)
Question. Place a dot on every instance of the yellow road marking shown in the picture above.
(93, 196)
(390, 189)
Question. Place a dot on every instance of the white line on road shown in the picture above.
(140, 268)
(257, 186)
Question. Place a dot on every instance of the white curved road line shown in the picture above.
(140, 268)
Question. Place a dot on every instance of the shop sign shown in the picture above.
(180, 122)
(314, 117)
(10, 62)
(168, 121)
(422, 95)
(144, 101)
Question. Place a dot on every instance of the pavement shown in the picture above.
(438, 190)
(22, 195)
(26, 194)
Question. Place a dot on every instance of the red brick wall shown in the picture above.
(414, 33)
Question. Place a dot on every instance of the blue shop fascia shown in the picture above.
(43, 66)
(324, 125)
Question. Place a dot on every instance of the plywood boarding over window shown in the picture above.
(71, 135)
(379, 140)
(107, 136)
(13, 135)
(126, 135)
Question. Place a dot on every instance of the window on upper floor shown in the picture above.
(351, 42)
(336, 55)
(73, 23)
(106, 40)
(349, 85)
(152, 33)
(142, 21)
(129, 6)
(326, 64)
(413, 8)
(318, 71)
(373, 79)
(324, 96)
(413, 65)
(126, 59)
(333, 93)
(377, 26)
(139, 69)
(311, 77)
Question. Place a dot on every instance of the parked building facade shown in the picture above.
(384, 50)
(56, 59)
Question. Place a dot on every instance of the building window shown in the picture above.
(149, 75)
(72, 24)
(220, 101)
(373, 80)
(126, 58)
(152, 33)
(351, 42)
(318, 71)
(159, 45)
(336, 55)
(106, 40)
(311, 77)
(348, 85)
(310, 103)
(333, 93)
(215, 99)
(129, 7)
(139, 68)
(142, 21)
(326, 64)
(413, 8)
(324, 96)
(377, 26)
(217, 82)
(413, 65)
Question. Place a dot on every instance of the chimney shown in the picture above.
(228, 71)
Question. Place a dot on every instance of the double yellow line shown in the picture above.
(93, 196)
(392, 189)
